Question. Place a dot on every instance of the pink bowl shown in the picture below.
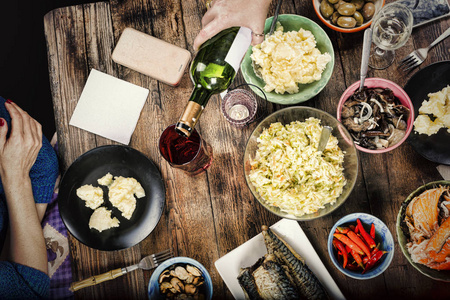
(398, 92)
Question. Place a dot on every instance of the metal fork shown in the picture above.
(417, 57)
(147, 263)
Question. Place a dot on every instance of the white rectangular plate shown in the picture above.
(248, 253)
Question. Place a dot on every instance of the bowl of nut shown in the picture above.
(180, 278)
(347, 15)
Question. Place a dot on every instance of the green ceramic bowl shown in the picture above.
(402, 240)
(307, 91)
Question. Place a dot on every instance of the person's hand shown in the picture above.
(224, 14)
(18, 152)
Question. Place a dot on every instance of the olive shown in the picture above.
(326, 9)
(334, 17)
(359, 18)
(368, 11)
(358, 4)
(333, 1)
(336, 5)
(346, 22)
(346, 9)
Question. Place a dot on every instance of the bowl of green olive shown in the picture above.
(347, 15)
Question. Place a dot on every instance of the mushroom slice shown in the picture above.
(399, 123)
(164, 275)
(177, 284)
(382, 144)
(198, 281)
(181, 273)
(165, 286)
(193, 270)
(190, 279)
(190, 289)
(396, 136)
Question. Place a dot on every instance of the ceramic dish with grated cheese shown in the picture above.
(288, 175)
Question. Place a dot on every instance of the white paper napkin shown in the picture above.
(109, 107)
(444, 171)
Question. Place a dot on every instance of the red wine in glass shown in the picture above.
(191, 153)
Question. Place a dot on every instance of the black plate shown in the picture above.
(431, 79)
(119, 161)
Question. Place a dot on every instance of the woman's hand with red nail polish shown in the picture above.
(18, 152)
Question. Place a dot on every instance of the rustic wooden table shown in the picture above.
(207, 216)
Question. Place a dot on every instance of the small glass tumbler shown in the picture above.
(239, 107)
(192, 155)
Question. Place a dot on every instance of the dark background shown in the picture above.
(23, 57)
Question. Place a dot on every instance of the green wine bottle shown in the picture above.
(212, 71)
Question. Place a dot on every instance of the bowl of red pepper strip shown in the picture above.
(361, 246)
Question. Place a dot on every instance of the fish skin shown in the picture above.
(247, 282)
(305, 280)
(272, 281)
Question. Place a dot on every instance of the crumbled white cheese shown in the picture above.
(106, 180)
(101, 219)
(121, 193)
(92, 195)
(424, 125)
(437, 106)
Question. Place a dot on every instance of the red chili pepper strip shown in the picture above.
(362, 239)
(353, 267)
(357, 258)
(341, 248)
(348, 242)
(352, 227)
(372, 231)
(373, 260)
(336, 231)
(356, 230)
(359, 242)
(365, 259)
(365, 235)
(375, 250)
(343, 230)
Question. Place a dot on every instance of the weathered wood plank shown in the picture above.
(90, 39)
(189, 227)
(67, 64)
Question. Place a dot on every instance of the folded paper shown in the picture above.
(109, 107)
(444, 171)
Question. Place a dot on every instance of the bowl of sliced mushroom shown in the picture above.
(180, 278)
(379, 117)
(347, 15)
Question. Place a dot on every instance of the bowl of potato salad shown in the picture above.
(293, 64)
(287, 173)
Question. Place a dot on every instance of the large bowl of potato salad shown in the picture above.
(293, 64)
(288, 175)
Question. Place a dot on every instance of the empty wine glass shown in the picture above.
(391, 28)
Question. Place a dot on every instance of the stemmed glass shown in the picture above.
(391, 28)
